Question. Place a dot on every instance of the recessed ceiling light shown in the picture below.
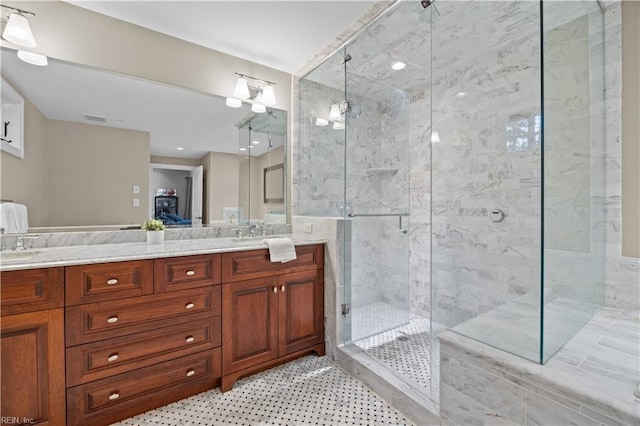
(243, 149)
(398, 65)
(180, 148)
(256, 142)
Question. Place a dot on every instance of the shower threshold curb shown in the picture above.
(411, 403)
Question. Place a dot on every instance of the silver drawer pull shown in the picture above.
(189, 305)
(112, 281)
(114, 395)
(190, 339)
(191, 372)
(113, 357)
(190, 272)
(112, 320)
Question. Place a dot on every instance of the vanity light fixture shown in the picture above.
(18, 31)
(258, 108)
(338, 125)
(334, 113)
(435, 137)
(233, 102)
(259, 92)
(321, 122)
(33, 58)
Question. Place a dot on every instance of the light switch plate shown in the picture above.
(136, 202)
(136, 189)
(308, 228)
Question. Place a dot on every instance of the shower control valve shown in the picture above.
(496, 215)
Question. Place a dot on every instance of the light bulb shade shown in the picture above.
(33, 58)
(259, 108)
(321, 122)
(338, 125)
(18, 31)
(435, 137)
(334, 113)
(241, 91)
(268, 96)
(233, 102)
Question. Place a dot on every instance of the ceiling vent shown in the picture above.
(93, 117)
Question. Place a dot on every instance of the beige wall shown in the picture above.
(222, 174)
(24, 180)
(631, 129)
(98, 165)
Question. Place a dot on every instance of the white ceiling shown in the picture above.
(281, 34)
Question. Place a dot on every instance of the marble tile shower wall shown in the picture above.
(488, 158)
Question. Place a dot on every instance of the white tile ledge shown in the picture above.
(102, 253)
(517, 369)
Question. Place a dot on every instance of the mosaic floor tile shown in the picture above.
(308, 391)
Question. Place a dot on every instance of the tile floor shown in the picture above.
(308, 391)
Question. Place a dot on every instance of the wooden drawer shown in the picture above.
(108, 400)
(104, 320)
(245, 265)
(108, 281)
(31, 290)
(98, 360)
(179, 273)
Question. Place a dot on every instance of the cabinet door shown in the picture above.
(301, 310)
(32, 382)
(249, 323)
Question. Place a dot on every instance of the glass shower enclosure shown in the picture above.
(462, 144)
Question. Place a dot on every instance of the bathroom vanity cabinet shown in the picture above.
(32, 381)
(272, 312)
(118, 339)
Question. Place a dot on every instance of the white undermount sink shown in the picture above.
(15, 256)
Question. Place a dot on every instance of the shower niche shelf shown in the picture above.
(381, 172)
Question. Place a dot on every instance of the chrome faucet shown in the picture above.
(20, 241)
(252, 229)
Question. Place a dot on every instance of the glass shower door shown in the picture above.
(376, 208)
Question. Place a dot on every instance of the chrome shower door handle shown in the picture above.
(402, 230)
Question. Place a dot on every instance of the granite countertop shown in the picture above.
(102, 253)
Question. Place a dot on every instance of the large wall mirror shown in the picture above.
(105, 151)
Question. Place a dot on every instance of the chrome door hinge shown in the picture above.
(346, 309)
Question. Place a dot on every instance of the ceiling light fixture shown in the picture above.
(18, 31)
(253, 89)
(398, 65)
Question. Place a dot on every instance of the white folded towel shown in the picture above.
(281, 249)
(14, 218)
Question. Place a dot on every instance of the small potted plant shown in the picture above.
(155, 231)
